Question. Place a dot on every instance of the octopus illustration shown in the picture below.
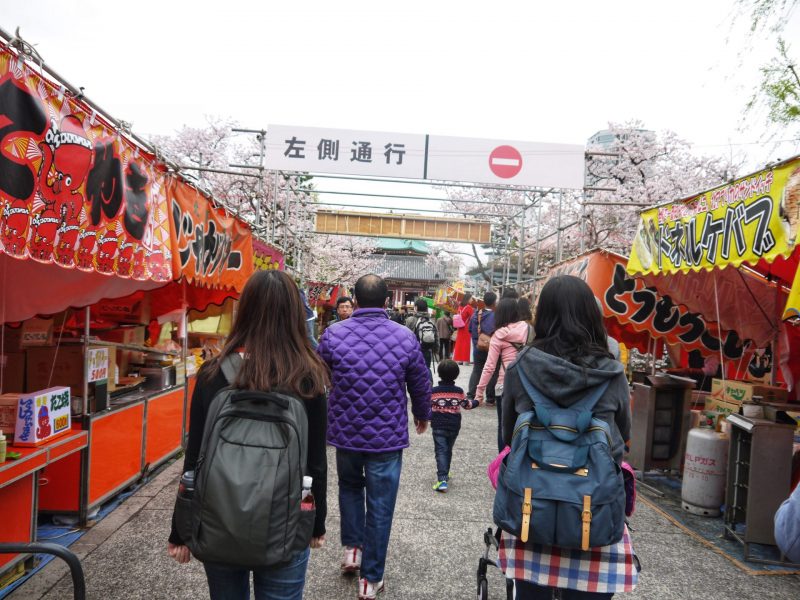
(43, 235)
(43, 430)
(107, 253)
(67, 157)
(14, 227)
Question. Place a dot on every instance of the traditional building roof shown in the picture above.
(397, 246)
(408, 268)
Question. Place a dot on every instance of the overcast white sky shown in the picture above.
(519, 70)
(551, 72)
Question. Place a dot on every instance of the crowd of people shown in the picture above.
(355, 385)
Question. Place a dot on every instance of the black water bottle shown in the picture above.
(186, 486)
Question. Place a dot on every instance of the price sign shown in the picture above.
(97, 364)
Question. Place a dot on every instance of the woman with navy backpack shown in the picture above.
(567, 363)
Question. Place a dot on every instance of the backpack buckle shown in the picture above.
(586, 518)
(527, 508)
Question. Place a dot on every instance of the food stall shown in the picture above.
(730, 254)
(97, 237)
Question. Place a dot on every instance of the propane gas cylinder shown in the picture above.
(704, 472)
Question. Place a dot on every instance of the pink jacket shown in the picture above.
(502, 345)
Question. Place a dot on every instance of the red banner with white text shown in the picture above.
(73, 190)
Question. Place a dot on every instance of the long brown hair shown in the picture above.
(270, 328)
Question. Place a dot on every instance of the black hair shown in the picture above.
(465, 300)
(342, 300)
(524, 309)
(568, 321)
(448, 370)
(421, 305)
(507, 312)
(489, 298)
(371, 291)
(510, 293)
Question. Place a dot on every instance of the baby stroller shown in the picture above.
(492, 540)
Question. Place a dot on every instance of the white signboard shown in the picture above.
(42, 416)
(97, 364)
(505, 162)
(380, 154)
(345, 152)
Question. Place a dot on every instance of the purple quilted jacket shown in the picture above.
(372, 361)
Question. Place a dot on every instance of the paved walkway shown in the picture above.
(434, 549)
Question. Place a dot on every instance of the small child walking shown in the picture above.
(447, 400)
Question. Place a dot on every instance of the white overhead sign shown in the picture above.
(345, 152)
(506, 162)
(381, 154)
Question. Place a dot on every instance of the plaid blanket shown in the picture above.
(609, 569)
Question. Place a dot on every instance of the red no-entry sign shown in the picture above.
(505, 161)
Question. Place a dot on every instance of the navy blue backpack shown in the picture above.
(560, 485)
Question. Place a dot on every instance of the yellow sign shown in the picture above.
(754, 218)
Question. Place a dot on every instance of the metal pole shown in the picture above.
(536, 252)
(521, 257)
(274, 215)
(87, 315)
(507, 266)
(558, 237)
(262, 151)
(583, 222)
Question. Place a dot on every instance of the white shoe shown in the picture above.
(368, 590)
(351, 562)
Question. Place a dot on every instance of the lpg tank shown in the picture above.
(704, 472)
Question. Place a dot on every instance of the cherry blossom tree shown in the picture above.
(641, 168)
(279, 208)
(637, 168)
(339, 259)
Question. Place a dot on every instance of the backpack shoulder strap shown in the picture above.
(531, 335)
(230, 367)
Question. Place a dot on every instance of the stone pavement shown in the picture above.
(435, 545)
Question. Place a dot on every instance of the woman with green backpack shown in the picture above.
(258, 410)
(566, 415)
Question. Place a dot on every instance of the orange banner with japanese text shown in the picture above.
(211, 247)
(631, 303)
(74, 191)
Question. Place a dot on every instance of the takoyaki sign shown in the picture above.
(754, 218)
(73, 191)
(42, 415)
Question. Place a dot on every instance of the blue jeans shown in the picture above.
(443, 442)
(281, 583)
(367, 518)
(525, 590)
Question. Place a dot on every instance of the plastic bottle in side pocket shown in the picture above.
(306, 497)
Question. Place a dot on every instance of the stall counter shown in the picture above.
(19, 485)
(134, 436)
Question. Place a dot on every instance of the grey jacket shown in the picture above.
(565, 383)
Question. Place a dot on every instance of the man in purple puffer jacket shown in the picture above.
(372, 360)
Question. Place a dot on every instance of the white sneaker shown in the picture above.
(351, 562)
(368, 590)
